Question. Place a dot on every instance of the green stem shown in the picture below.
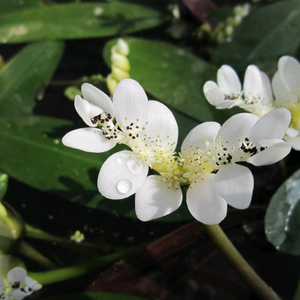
(35, 255)
(297, 294)
(260, 288)
(36, 233)
(58, 275)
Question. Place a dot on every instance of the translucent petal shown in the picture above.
(131, 103)
(204, 203)
(235, 128)
(283, 97)
(89, 140)
(32, 284)
(213, 93)
(253, 87)
(226, 104)
(294, 142)
(94, 96)
(122, 175)
(272, 125)
(156, 199)
(235, 184)
(270, 155)
(267, 94)
(196, 137)
(292, 132)
(19, 295)
(82, 108)
(228, 80)
(161, 123)
(289, 70)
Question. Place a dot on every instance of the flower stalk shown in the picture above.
(240, 265)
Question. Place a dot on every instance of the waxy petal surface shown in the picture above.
(235, 184)
(228, 80)
(89, 140)
(131, 103)
(213, 93)
(156, 199)
(121, 175)
(204, 203)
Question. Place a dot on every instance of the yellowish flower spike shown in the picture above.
(120, 65)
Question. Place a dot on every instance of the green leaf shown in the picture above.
(94, 296)
(282, 223)
(172, 75)
(25, 73)
(3, 184)
(264, 35)
(32, 152)
(18, 5)
(76, 20)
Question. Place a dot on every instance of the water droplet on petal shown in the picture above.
(120, 160)
(124, 186)
(134, 165)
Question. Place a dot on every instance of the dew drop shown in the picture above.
(134, 165)
(124, 186)
(120, 160)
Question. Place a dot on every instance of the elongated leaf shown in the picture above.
(16, 5)
(173, 76)
(76, 20)
(266, 34)
(282, 223)
(22, 77)
(94, 296)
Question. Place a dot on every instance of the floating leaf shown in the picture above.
(25, 73)
(257, 40)
(282, 222)
(76, 20)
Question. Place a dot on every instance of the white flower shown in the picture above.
(3, 294)
(286, 86)
(256, 96)
(210, 148)
(20, 284)
(150, 130)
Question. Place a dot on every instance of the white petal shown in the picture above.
(253, 87)
(289, 70)
(235, 184)
(228, 80)
(82, 107)
(19, 295)
(226, 104)
(293, 141)
(196, 137)
(204, 203)
(235, 128)
(122, 175)
(267, 89)
(16, 275)
(292, 132)
(270, 155)
(89, 140)
(161, 123)
(94, 96)
(131, 103)
(2, 286)
(155, 199)
(283, 97)
(32, 284)
(272, 125)
(213, 93)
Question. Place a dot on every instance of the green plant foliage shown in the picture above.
(3, 184)
(172, 75)
(282, 223)
(25, 73)
(95, 296)
(76, 20)
(264, 35)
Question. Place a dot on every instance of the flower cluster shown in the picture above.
(19, 285)
(207, 162)
(257, 94)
